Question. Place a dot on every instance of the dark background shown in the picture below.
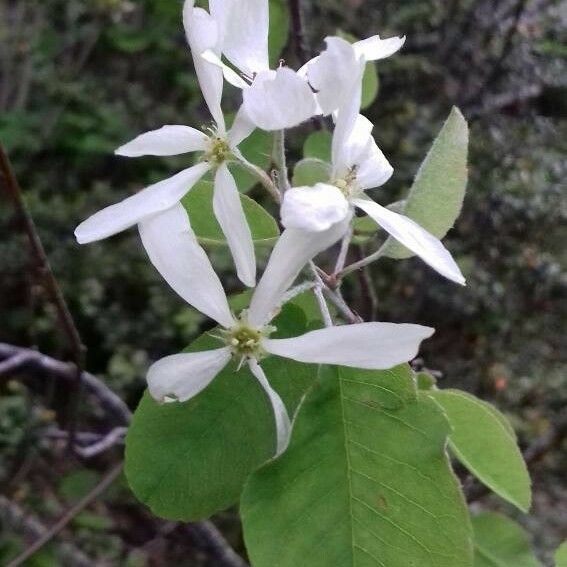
(77, 79)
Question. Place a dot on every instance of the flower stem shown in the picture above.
(261, 176)
(362, 263)
(335, 297)
(341, 258)
(279, 159)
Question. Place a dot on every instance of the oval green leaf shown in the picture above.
(309, 171)
(365, 481)
(279, 30)
(199, 205)
(436, 197)
(485, 443)
(500, 542)
(318, 145)
(187, 461)
(561, 555)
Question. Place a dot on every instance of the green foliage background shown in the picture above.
(77, 79)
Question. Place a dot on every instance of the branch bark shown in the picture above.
(210, 539)
(68, 327)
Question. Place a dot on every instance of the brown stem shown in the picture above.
(210, 538)
(90, 497)
(68, 327)
(298, 31)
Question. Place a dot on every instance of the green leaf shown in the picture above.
(309, 171)
(436, 197)
(561, 555)
(365, 481)
(370, 85)
(500, 542)
(318, 145)
(486, 446)
(199, 205)
(187, 461)
(364, 228)
(279, 30)
(425, 381)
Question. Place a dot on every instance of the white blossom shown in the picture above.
(273, 99)
(332, 73)
(217, 147)
(359, 165)
(247, 337)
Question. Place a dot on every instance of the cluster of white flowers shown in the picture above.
(231, 42)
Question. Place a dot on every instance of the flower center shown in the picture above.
(218, 151)
(245, 340)
(347, 184)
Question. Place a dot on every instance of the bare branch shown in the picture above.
(90, 497)
(36, 361)
(29, 526)
(210, 538)
(12, 188)
(298, 31)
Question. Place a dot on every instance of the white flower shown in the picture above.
(358, 165)
(247, 337)
(274, 99)
(217, 147)
(331, 73)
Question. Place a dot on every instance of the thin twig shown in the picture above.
(89, 445)
(38, 362)
(280, 161)
(342, 256)
(335, 297)
(13, 363)
(90, 497)
(29, 526)
(361, 263)
(113, 438)
(111, 402)
(298, 31)
(210, 540)
(496, 69)
(323, 307)
(13, 189)
(261, 175)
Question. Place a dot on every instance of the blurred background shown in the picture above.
(78, 78)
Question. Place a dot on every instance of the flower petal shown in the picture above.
(314, 208)
(283, 423)
(241, 128)
(365, 345)
(152, 199)
(348, 126)
(230, 75)
(372, 167)
(180, 377)
(374, 48)
(359, 151)
(292, 251)
(330, 73)
(279, 99)
(183, 264)
(203, 34)
(417, 239)
(244, 31)
(229, 213)
(166, 141)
